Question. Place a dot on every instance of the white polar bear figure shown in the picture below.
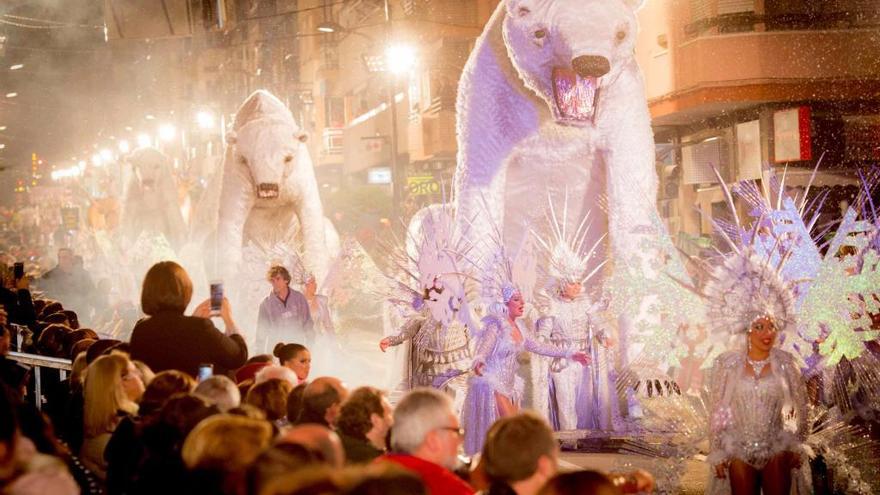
(552, 100)
(269, 194)
(151, 204)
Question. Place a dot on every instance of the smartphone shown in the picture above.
(216, 298)
(18, 270)
(206, 370)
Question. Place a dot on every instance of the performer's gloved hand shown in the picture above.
(384, 343)
(581, 357)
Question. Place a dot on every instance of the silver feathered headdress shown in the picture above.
(568, 257)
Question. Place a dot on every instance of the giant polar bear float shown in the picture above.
(269, 194)
(552, 101)
(151, 206)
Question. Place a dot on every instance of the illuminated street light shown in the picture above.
(144, 140)
(96, 160)
(329, 27)
(205, 119)
(2, 146)
(11, 95)
(106, 155)
(16, 67)
(167, 132)
(123, 146)
(81, 164)
(2, 127)
(400, 59)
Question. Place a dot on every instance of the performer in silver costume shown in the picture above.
(495, 390)
(573, 396)
(429, 290)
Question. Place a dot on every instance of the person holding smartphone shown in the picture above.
(284, 314)
(168, 339)
(15, 295)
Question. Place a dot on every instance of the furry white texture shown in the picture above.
(266, 146)
(513, 151)
(151, 205)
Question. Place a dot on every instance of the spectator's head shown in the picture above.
(223, 446)
(294, 402)
(5, 340)
(51, 307)
(220, 391)
(163, 386)
(58, 318)
(320, 440)
(366, 415)
(78, 370)
(276, 461)
(39, 304)
(66, 259)
(521, 452)
(276, 372)
(167, 287)
(321, 401)
(271, 397)
(248, 372)
(580, 483)
(51, 340)
(100, 348)
(112, 384)
(296, 357)
(279, 277)
(143, 370)
(385, 478)
(72, 319)
(426, 426)
(80, 348)
(180, 415)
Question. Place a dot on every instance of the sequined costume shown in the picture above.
(435, 350)
(575, 396)
(754, 420)
(498, 352)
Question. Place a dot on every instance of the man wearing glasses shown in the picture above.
(426, 438)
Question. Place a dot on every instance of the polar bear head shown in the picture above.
(567, 50)
(151, 169)
(266, 140)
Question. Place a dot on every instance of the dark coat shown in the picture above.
(172, 341)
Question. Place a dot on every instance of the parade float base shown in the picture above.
(615, 452)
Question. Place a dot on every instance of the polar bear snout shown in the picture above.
(591, 65)
(267, 190)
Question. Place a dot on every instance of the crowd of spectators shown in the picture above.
(132, 418)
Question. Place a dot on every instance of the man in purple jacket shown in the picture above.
(284, 314)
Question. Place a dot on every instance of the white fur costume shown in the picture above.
(269, 192)
(151, 205)
(514, 139)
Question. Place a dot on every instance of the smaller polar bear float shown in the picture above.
(269, 194)
(151, 205)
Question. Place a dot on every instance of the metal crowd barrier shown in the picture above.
(36, 362)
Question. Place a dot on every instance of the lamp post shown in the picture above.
(397, 59)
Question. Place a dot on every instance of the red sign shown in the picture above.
(791, 135)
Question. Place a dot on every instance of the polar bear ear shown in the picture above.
(231, 138)
(301, 136)
(518, 8)
(636, 5)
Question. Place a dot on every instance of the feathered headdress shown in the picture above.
(568, 257)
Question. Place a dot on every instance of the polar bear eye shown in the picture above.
(540, 34)
(523, 11)
(242, 160)
(288, 158)
(621, 35)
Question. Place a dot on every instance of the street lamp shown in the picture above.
(124, 146)
(400, 59)
(205, 119)
(144, 140)
(167, 132)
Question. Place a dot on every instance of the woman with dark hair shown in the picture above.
(167, 339)
(580, 483)
(296, 357)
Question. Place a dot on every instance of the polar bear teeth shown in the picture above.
(575, 96)
(267, 190)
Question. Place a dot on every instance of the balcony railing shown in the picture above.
(749, 21)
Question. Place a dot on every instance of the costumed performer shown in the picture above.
(495, 390)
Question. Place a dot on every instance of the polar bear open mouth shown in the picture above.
(267, 190)
(575, 97)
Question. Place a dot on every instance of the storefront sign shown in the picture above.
(791, 135)
(422, 185)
